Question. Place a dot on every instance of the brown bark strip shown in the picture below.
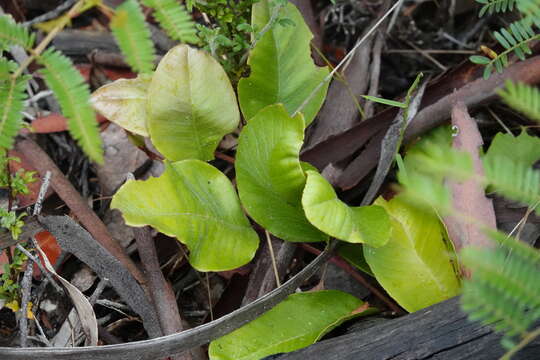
(375, 72)
(160, 290)
(43, 163)
(340, 110)
(74, 239)
(465, 84)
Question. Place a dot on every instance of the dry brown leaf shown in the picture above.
(468, 196)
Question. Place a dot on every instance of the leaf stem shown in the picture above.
(524, 342)
(274, 265)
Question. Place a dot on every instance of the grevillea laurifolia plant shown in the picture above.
(189, 102)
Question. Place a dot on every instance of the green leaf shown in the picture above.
(354, 254)
(123, 102)
(481, 60)
(191, 105)
(197, 204)
(174, 19)
(414, 266)
(12, 96)
(282, 70)
(298, 321)
(73, 95)
(363, 224)
(133, 36)
(270, 176)
(385, 101)
(522, 148)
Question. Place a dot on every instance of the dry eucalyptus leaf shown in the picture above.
(468, 196)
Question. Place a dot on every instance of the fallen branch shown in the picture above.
(74, 239)
(172, 344)
(159, 289)
(441, 332)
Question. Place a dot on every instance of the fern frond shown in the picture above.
(174, 19)
(523, 98)
(531, 10)
(505, 285)
(514, 39)
(73, 95)
(12, 97)
(12, 33)
(498, 6)
(133, 36)
(6, 68)
(513, 179)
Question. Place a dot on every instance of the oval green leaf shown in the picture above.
(191, 105)
(282, 70)
(414, 266)
(270, 177)
(298, 321)
(123, 102)
(363, 224)
(197, 204)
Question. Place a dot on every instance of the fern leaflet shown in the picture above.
(505, 286)
(523, 98)
(499, 6)
(73, 95)
(12, 33)
(133, 37)
(6, 68)
(531, 10)
(12, 96)
(174, 18)
(515, 39)
(513, 179)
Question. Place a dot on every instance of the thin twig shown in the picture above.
(50, 36)
(41, 267)
(357, 276)
(42, 192)
(273, 257)
(375, 72)
(283, 260)
(210, 305)
(26, 286)
(273, 18)
(53, 14)
(524, 342)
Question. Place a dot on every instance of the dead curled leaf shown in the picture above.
(81, 303)
(468, 196)
(123, 102)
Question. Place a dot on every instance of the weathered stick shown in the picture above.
(43, 163)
